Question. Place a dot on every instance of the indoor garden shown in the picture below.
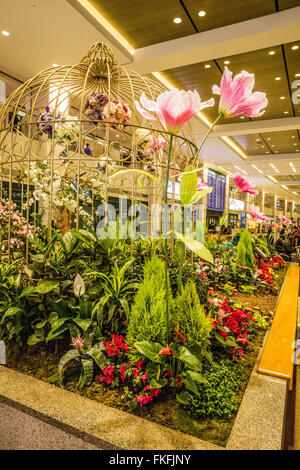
(111, 285)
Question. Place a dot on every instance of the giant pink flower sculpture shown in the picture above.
(173, 108)
(285, 220)
(236, 97)
(255, 214)
(243, 185)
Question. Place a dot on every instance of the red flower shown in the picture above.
(178, 380)
(180, 334)
(166, 351)
(122, 371)
(108, 376)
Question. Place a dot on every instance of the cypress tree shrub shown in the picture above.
(147, 319)
(191, 320)
(246, 253)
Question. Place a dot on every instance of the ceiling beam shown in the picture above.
(272, 158)
(267, 31)
(257, 127)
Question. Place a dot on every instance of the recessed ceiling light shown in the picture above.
(286, 112)
(5, 33)
(293, 136)
(276, 151)
(202, 13)
(55, 65)
(295, 48)
(277, 78)
(271, 52)
(177, 20)
(226, 62)
(242, 117)
(207, 66)
(297, 150)
(282, 97)
(269, 138)
(297, 74)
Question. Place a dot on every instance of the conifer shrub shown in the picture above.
(147, 319)
(191, 320)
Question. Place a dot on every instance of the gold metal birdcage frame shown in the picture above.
(113, 145)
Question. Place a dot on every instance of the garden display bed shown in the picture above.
(41, 362)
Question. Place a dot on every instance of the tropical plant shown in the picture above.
(113, 309)
(173, 365)
(84, 353)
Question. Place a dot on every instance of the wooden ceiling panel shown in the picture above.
(220, 13)
(144, 23)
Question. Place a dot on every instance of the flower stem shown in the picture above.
(204, 139)
(166, 241)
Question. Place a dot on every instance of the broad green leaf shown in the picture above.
(46, 285)
(197, 247)
(87, 374)
(98, 357)
(189, 383)
(188, 186)
(150, 350)
(200, 194)
(33, 339)
(158, 383)
(182, 397)
(83, 323)
(183, 354)
(69, 356)
(197, 377)
(28, 291)
(10, 312)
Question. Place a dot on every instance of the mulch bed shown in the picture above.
(40, 361)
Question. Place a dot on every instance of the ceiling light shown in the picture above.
(286, 112)
(177, 20)
(202, 13)
(276, 151)
(297, 150)
(271, 52)
(55, 65)
(226, 62)
(272, 178)
(277, 78)
(207, 66)
(284, 187)
(293, 192)
(294, 48)
(242, 117)
(282, 97)
(293, 136)
(5, 33)
(297, 74)
(269, 138)
(257, 169)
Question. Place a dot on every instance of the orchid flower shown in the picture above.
(285, 220)
(243, 185)
(236, 97)
(256, 215)
(173, 108)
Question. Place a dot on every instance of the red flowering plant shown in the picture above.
(172, 367)
(231, 325)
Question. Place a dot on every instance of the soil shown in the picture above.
(41, 362)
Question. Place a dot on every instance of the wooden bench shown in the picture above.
(277, 356)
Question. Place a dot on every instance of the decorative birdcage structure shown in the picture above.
(45, 127)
